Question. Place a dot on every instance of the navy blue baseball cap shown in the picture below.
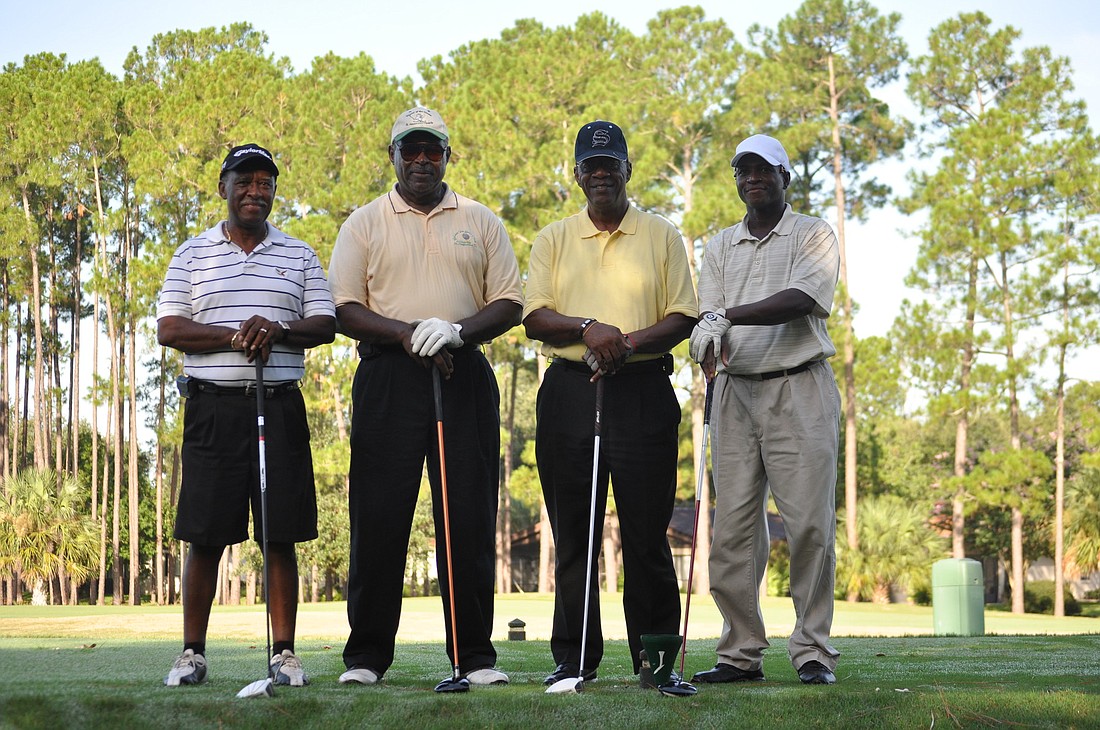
(250, 157)
(600, 139)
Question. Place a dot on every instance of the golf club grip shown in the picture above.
(259, 387)
(437, 390)
(599, 407)
(708, 400)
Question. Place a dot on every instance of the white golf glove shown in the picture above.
(432, 335)
(708, 334)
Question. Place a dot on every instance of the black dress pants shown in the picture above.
(638, 452)
(393, 431)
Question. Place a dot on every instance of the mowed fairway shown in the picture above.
(1029, 671)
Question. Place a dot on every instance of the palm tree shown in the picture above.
(44, 532)
(1083, 524)
(897, 546)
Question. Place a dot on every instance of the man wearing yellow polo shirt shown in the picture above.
(421, 276)
(609, 293)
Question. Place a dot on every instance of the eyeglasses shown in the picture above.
(756, 170)
(409, 152)
(589, 166)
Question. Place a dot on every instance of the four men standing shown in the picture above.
(420, 277)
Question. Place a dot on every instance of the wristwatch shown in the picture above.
(286, 328)
(586, 324)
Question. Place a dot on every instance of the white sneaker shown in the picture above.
(189, 668)
(488, 675)
(287, 670)
(359, 675)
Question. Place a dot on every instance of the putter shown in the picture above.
(680, 688)
(456, 682)
(575, 684)
(262, 687)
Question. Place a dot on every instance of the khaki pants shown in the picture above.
(780, 434)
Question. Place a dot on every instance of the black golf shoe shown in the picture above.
(568, 671)
(814, 672)
(723, 673)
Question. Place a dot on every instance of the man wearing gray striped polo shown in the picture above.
(765, 290)
(241, 290)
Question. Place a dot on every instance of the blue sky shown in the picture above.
(398, 35)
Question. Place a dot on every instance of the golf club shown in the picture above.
(680, 688)
(455, 683)
(575, 684)
(262, 687)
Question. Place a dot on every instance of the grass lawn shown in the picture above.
(1029, 671)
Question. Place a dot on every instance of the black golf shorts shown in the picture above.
(221, 474)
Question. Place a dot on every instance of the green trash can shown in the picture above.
(958, 603)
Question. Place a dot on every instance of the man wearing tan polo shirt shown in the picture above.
(609, 293)
(766, 288)
(421, 276)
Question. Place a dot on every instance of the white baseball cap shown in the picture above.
(419, 119)
(767, 147)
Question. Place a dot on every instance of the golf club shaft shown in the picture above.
(592, 523)
(263, 500)
(437, 389)
(700, 475)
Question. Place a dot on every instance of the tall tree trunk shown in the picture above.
(74, 360)
(849, 350)
(962, 423)
(52, 395)
(1014, 435)
(36, 317)
(5, 380)
(117, 357)
(134, 534)
(1060, 454)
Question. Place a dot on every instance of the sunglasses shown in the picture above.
(409, 152)
(611, 164)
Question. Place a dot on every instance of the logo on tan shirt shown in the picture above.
(465, 238)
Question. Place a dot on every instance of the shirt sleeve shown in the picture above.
(347, 269)
(681, 292)
(175, 295)
(711, 298)
(316, 298)
(540, 290)
(502, 271)
(816, 267)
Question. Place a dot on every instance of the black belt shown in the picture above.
(662, 364)
(270, 391)
(778, 373)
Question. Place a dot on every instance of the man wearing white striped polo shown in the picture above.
(241, 290)
(765, 290)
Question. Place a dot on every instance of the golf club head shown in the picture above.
(677, 688)
(569, 685)
(450, 684)
(259, 688)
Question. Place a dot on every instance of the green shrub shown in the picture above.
(1039, 598)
